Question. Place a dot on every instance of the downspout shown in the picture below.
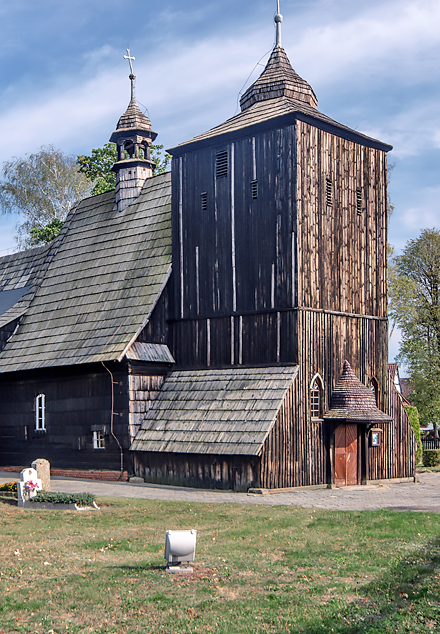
(111, 421)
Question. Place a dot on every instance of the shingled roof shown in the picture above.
(228, 411)
(133, 119)
(353, 402)
(104, 275)
(278, 97)
(20, 275)
(278, 80)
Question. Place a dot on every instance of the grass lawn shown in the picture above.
(258, 569)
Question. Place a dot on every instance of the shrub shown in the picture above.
(413, 416)
(431, 457)
(9, 487)
(82, 499)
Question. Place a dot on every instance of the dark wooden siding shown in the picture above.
(76, 401)
(235, 258)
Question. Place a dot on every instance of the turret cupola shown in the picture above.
(133, 137)
(278, 78)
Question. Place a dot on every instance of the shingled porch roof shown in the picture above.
(223, 412)
(353, 402)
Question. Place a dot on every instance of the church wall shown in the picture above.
(342, 218)
(78, 402)
(233, 253)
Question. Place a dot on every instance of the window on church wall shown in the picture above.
(374, 387)
(40, 412)
(221, 164)
(98, 440)
(316, 397)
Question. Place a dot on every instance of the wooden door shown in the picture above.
(346, 455)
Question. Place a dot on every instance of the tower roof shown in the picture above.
(132, 122)
(352, 401)
(278, 79)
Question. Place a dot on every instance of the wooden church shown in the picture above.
(224, 325)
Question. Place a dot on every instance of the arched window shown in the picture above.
(374, 387)
(316, 397)
(40, 412)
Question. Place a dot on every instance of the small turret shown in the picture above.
(133, 137)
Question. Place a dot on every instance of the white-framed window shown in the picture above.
(98, 440)
(40, 412)
(316, 397)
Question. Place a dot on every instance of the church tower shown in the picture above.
(133, 137)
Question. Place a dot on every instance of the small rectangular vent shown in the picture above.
(221, 164)
(204, 201)
(328, 192)
(359, 200)
(254, 189)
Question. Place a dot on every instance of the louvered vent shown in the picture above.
(359, 200)
(254, 189)
(221, 164)
(328, 192)
(204, 201)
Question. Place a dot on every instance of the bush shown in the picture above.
(9, 487)
(82, 499)
(431, 457)
(413, 416)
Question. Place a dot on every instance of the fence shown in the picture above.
(430, 443)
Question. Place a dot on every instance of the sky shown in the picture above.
(374, 66)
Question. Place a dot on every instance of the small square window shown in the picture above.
(98, 440)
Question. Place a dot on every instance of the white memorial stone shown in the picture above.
(28, 486)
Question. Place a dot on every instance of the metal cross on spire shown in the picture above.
(132, 76)
(278, 19)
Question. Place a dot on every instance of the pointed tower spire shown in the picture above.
(133, 137)
(278, 19)
(278, 79)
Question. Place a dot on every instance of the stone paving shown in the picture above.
(423, 495)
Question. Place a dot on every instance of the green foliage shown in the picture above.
(415, 308)
(431, 457)
(413, 416)
(47, 233)
(98, 167)
(41, 187)
(82, 499)
(9, 487)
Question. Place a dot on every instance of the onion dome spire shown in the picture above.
(133, 137)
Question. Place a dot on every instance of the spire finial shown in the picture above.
(278, 19)
(131, 76)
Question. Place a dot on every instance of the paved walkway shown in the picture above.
(424, 495)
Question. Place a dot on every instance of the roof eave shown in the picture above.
(281, 121)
